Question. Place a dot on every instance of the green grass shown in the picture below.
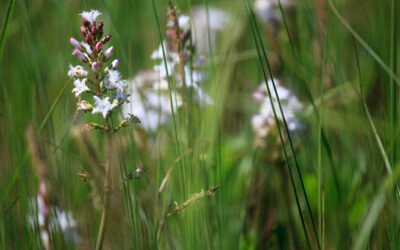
(333, 186)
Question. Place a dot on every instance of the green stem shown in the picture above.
(107, 192)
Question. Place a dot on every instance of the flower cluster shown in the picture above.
(264, 121)
(105, 88)
(152, 97)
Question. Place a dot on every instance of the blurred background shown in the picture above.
(217, 178)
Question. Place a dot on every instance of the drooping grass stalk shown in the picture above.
(260, 46)
(392, 105)
(256, 38)
(6, 23)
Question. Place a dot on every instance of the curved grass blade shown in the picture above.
(6, 23)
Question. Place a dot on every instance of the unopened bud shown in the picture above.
(75, 43)
(115, 64)
(79, 55)
(100, 25)
(95, 67)
(83, 30)
(93, 30)
(84, 106)
(106, 39)
(85, 22)
(99, 46)
(108, 53)
(88, 38)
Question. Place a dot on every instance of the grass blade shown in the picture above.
(6, 22)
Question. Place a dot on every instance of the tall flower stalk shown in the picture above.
(100, 90)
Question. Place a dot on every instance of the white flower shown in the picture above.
(152, 107)
(184, 23)
(90, 16)
(162, 70)
(121, 96)
(193, 77)
(264, 121)
(86, 47)
(207, 23)
(77, 71)
(114, 81)
(103, 106)
(80, 87)
(268, 10)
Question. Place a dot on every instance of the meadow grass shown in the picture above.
(205, 185)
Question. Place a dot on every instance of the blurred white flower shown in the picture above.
(264, 120)
(77, 71)
(206, 24)
(49, 218)
(268, 10)
(90, 16)
(80, 87)
(103, 106)
(151, 106)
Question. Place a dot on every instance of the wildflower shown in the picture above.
(90, 16)
(264, 121)
(80, 87)
(103, 106)
(105, 84)
(77, 71)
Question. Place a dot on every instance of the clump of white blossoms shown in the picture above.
(177, 65)
(264, 121)
(98, 86)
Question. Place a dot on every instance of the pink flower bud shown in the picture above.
(79, 55)
(83, 30)
(85, 22)
(106, 39)
(99, 46)
(88, 38)
(93, 30)
(100, 25)
(108, 53)
(75, 43)
(115, 64)
(96, 66)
